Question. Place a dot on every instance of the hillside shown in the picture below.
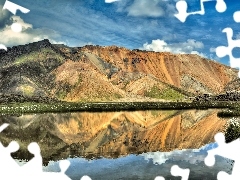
(95, 73)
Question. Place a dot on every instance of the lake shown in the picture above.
(121, 145)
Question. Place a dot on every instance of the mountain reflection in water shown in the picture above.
(128, 137)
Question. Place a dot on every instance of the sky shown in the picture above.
(134, 24)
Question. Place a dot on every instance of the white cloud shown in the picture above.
(157, 45)
(111, 1)
(28, 34)
(188, 47)
(192, 156)
(145, 8)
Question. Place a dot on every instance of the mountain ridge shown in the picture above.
(99, 73)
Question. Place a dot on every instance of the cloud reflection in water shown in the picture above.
(146, 166)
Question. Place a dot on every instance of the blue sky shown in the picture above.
(134, 24)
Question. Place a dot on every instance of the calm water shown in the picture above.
(121, 145)
(146, 165)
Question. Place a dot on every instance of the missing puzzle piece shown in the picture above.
(3, 47)
(182, 7)
(7, 164)
(12, 7)
(32, 169)
(222, 51)
(227, 150)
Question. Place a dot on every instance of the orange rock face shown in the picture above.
(119, 72)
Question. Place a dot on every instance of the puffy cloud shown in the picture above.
(28, 34)
(188, 47)
(157, 45)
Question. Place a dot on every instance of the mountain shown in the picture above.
(95, 73)
(111, 133)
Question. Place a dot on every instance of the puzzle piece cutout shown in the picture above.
(12, 7)
(3, 47)
(177, 171)
(4, 126)
(182, 6)
(7, 162)
(31, 169)
(16, 27)
(236, 16)
(222, 51)
(227, 150)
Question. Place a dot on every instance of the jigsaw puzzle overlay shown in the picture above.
(177, 171)
(221, 7)
(33, 169)
(16, 27)
(182, 6)
(227, 150)
(222, 51)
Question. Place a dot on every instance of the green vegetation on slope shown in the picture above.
(41, 55)
(61, 94)
(167, 93)
(27, 90)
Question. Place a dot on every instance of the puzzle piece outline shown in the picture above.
(13, 8)
(182, 6)
(222, 51)
(177, 171)
(33, 168)
(227, 150)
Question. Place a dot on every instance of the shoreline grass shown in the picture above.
(26, 108)
(229, 113)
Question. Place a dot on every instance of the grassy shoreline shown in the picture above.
(232, 130)
(26, 108)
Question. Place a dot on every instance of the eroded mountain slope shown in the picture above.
(95, 73)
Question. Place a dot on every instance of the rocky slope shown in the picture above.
(189, 72)
(95, 73)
